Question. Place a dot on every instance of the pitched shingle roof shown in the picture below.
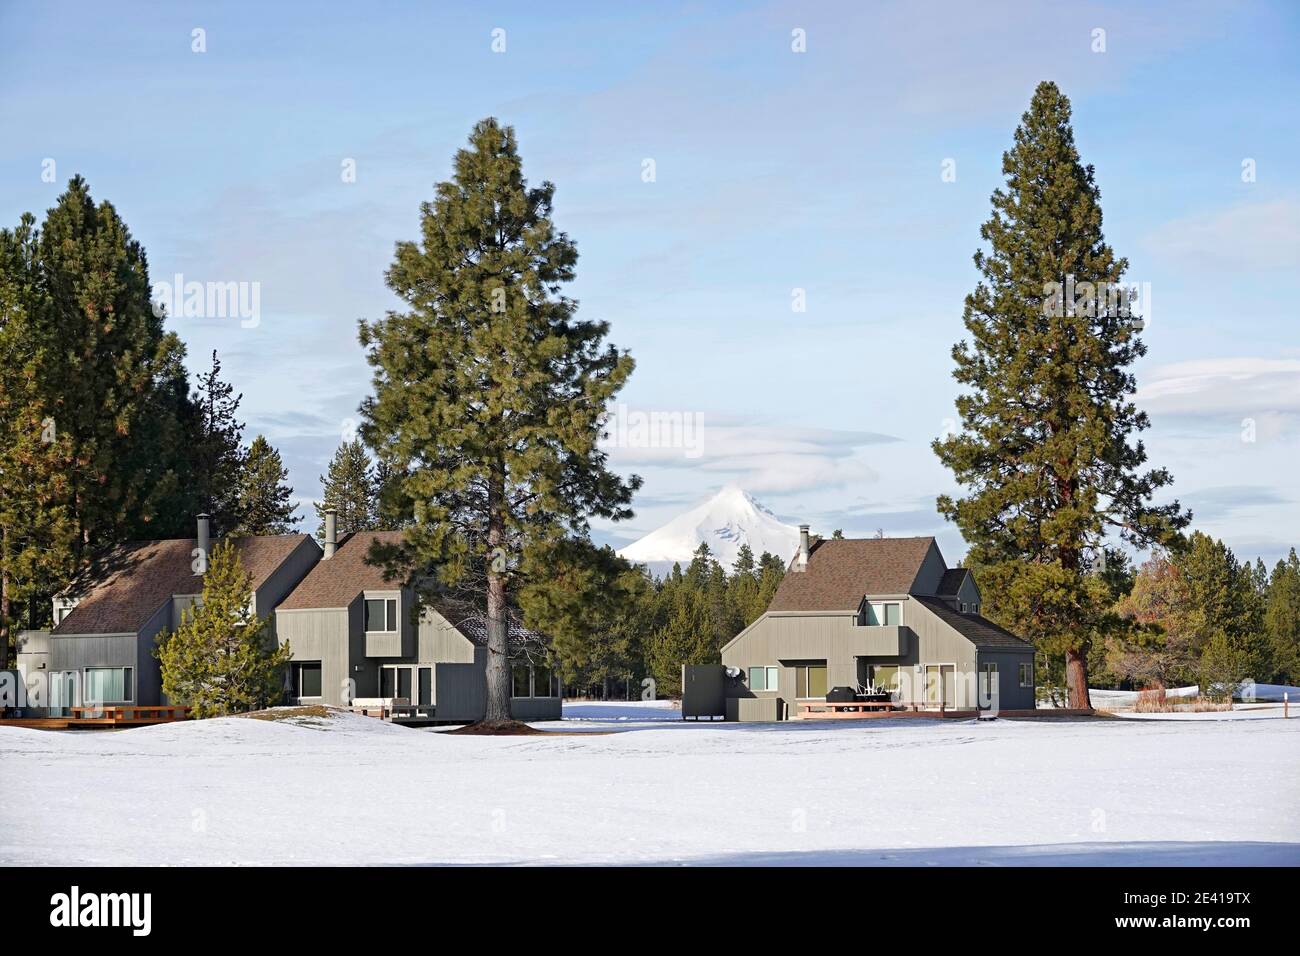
(337, 582)
(124, 588)
(980, 631)
(952, 579)
(475, 629)
(841, 570)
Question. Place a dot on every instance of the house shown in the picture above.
(875, 615)
(355, 635)
(107, 622)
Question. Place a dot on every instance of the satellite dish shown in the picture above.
(733, 672)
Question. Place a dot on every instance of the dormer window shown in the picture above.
(878, 613)
(886, 613)
(381, 615)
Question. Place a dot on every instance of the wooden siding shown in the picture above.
(323, 636)
(787, 639)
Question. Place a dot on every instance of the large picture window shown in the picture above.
(109, 685)
(381, 615)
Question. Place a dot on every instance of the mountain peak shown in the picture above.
(731, 518)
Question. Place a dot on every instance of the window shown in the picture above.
(532, 681)
(1027, 675)
(520, 686)
(306, 678)
(888, 613)
(762, 678)
(381, 614)
(109, 685)
(989, 681)
(542, 681)
(426, 687)
(810, 680)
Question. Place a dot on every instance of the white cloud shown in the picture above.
(1251, 237)
(760, 456)
(1223, 386)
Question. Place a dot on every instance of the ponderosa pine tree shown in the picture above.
(222, 659)
(35, 530)
(108, 370)
(265, 503)
(1047, 451)
(489, 391)
(218, 452)
(351, 489)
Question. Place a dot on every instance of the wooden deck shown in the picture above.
(869, 710)
(116, 715)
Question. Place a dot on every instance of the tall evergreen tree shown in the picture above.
(222, 659)
(1282, 619)
(1047, 452)
(489, 392)
(35, 530)
(351, 489)
(105, 358)
(265, 503)
(218, 453)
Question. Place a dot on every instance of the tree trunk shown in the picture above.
(498, 651)
(5, 601)
(1076, 678)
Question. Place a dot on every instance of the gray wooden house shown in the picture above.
(108, 621)
(879, 615)
(356, 634)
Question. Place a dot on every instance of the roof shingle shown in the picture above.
(337, 582)
(980, 631)
(125, 587)
(842, 570)
(952, 580)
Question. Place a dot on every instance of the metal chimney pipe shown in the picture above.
(331, 532)
(204, 540)
(803, 546)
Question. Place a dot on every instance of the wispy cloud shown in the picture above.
(1223, 386)
(1262, 236)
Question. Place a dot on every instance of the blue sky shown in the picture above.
(774, 171)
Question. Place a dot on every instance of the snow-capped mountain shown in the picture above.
(726, 521)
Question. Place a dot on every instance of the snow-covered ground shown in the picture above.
(353, 790)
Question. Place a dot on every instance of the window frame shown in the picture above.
(876, 609)
(801, 676)
(298, 668)
(1026, 667)
(391, 613)
(127, 682)
(771, 677)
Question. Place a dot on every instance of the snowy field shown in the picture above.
(629, 783)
